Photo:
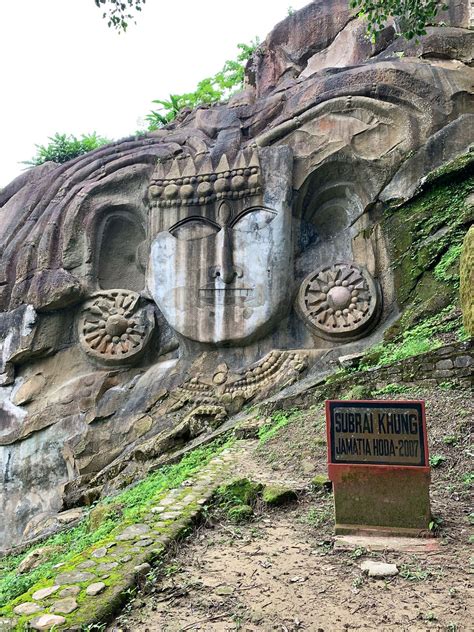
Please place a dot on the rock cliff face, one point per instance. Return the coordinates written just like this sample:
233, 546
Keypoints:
152, 288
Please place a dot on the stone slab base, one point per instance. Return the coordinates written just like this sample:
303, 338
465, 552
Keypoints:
373, 542
376, 531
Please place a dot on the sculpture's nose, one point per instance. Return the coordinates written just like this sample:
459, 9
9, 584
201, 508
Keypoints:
226, 257
225, 268
227, 273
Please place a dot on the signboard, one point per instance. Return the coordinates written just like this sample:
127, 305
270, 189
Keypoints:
377, 433
378, 464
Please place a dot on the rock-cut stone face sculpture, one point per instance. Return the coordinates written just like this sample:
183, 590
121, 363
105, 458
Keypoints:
221, 254
153, 288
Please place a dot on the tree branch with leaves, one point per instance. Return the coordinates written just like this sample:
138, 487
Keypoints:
413, 16
119, 13
213, 89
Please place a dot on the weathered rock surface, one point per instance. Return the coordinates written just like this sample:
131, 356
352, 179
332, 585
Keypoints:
69, 591
43, 593
94, 589
35, 558
46, 621
133, 532
64, 606
74, 577
254, 246
27, 608
379, 569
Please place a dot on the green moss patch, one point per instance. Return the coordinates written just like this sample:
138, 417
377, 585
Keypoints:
275, 495
241, 491
139, 536
425, 239
321, 482
240, 513
423, 337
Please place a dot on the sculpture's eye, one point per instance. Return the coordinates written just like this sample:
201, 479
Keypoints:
253, 220
193, 228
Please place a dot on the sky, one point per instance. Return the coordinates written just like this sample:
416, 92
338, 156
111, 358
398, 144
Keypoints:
63, 70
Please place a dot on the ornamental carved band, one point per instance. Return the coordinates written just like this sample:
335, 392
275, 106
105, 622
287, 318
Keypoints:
340, 301
188, 180
114, 328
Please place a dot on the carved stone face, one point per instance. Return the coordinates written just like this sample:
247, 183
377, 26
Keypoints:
220, 271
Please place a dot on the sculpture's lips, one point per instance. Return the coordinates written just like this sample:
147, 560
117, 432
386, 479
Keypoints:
212, 295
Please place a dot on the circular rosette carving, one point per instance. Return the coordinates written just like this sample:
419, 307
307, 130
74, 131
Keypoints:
340, 301
114, 327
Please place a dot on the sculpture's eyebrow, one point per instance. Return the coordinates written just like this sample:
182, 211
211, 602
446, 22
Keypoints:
252, 209
194, 218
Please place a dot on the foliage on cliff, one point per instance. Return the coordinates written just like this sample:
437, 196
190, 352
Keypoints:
213, 89
413, 17
425, 241
64, 147
230, 79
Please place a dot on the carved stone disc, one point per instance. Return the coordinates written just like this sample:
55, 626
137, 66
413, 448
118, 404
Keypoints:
114, 327
339, 301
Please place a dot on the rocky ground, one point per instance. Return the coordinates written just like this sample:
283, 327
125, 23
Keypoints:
280, 571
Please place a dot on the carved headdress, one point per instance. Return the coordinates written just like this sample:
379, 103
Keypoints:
192, 180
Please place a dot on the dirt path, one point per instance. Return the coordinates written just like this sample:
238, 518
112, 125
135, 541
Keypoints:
280, 571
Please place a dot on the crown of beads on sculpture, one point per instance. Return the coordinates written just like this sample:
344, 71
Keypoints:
191, 180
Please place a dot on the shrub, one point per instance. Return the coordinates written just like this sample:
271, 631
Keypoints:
64, 147
209, 90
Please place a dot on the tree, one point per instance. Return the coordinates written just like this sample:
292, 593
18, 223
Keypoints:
412, 15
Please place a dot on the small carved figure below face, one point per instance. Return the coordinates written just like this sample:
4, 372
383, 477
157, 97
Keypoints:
220, 271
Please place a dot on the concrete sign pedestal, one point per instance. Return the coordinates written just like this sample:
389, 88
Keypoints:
378, 464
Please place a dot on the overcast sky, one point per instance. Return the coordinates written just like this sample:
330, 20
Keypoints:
63, 70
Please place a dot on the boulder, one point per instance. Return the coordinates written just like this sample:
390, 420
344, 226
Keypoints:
275, 495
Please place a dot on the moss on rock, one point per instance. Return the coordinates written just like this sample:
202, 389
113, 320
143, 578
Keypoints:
275, 495
240, 491
321, 482
240, 513
360, 391
425, 233
467, 281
